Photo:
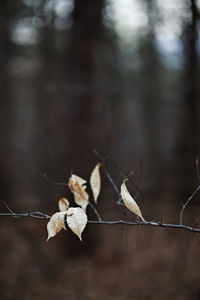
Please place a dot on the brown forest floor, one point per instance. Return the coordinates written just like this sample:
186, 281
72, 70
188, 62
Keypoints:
112, 262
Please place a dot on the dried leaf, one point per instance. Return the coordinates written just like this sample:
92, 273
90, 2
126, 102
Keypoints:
77, 187
63, 204
129, 201
95, 182
78, 179
55, 224
76, 220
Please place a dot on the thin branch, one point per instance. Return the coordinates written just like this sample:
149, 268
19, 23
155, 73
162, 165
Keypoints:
119, 201
8, 208
103, 160
35, 214
40, 215
66, 184
95, 211
129, 176
90, 204
44, 175
176, 226
186, 203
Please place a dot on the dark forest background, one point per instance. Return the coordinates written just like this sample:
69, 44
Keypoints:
121, 76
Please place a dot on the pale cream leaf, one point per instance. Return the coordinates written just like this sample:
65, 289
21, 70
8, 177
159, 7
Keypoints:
95, 182
76, 220
129, 201
78, 179
77, 187
56, 223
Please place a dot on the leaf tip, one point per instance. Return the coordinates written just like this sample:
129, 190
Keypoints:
126, 179
63, 204
48, 238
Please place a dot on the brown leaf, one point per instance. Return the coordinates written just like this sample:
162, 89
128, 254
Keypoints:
63, 204
55, 224
129, 201
76, 220
77, 187
95, 182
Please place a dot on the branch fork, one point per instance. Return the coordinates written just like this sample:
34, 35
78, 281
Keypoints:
124, 198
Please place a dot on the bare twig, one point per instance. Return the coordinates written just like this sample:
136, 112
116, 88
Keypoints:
186, 203
176, 226
40, 215
44, 175
95, 211
103, 160
90, 204
35, 214
129, 176
8, 208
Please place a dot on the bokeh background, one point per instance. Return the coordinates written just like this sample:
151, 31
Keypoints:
121, 76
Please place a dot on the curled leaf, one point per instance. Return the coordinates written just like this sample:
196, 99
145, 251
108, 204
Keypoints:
63, 204
56, 223
76, 220
77, 187
95, 182
77, 179
129, 201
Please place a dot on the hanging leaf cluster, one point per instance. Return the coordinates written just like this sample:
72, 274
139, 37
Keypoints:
75, 217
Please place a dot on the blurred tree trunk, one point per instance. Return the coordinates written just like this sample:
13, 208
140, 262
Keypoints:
191, 79
188, 139
191, 35
86, 33
6, 51
187, 143
4, 38
84, 50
